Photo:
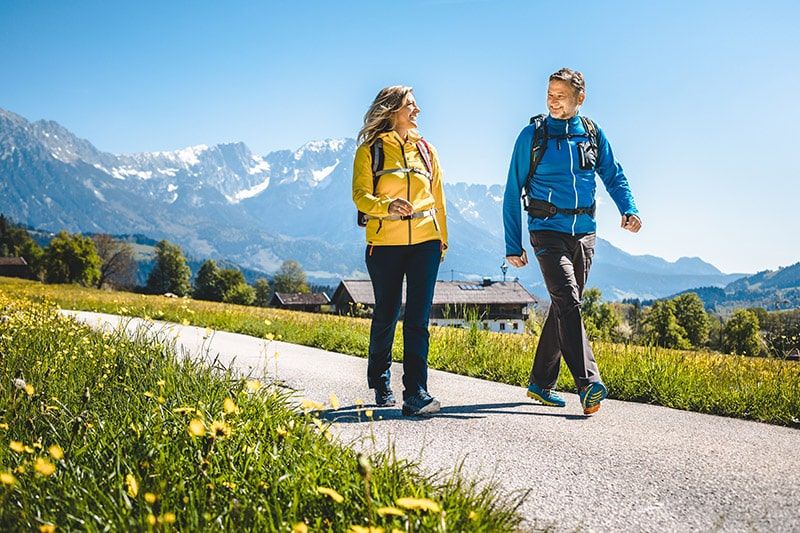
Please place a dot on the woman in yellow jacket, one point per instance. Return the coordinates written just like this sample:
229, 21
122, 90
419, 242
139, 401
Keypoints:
397, 188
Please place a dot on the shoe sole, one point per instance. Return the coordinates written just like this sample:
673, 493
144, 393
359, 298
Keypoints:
543, 401
591, 401
386, 404
433, 407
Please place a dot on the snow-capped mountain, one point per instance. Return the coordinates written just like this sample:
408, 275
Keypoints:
225, 202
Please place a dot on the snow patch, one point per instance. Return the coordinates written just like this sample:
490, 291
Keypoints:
172, 187
333, 145
260, 166
320, 175
123, 172
167, 171
248, 193
99, 195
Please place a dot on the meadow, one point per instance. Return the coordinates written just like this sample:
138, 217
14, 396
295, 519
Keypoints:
762, 389
102, 432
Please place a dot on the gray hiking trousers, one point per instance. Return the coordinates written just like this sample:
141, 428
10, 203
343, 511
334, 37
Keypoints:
565, 261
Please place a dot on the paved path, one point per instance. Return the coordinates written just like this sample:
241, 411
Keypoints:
632, 467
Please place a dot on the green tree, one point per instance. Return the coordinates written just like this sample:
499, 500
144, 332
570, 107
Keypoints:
692, 317
600, 319
170, 272
661, 327
263, 292
208, 283
15, 241
241, 293
290, 278
71, 259
740, 335
117, 264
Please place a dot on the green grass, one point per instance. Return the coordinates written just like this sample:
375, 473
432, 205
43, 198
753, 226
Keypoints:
767, 390
120, 410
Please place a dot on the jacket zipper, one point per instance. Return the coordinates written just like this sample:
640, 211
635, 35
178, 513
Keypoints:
408, 186
574, 179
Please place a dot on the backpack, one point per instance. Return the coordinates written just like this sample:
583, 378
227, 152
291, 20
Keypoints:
378, 160
587, 152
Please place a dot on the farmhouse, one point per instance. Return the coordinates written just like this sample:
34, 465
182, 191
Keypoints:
495, 305
299, 301
15, 267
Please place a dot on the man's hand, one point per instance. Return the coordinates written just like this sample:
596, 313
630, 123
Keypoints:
631, 223
401, 207
518, 261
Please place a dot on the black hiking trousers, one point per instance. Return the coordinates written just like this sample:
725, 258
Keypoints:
565, 261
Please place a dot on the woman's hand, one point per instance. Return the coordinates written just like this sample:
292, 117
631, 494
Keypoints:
401, 207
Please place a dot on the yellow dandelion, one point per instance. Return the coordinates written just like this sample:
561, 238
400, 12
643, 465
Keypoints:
359, 403
28, 449
7, 478
56, 452
418, 504
197, 428
332, 494
472, 515
252, 385
310, 405
300, 527
229, 406
148, 394
29, 389
368, 413
21, 469
390, 511
168, 518
334, 401
47, 528
17, 446
267, 322
161, 383
184, 410
161, 400
151, 519
220, 429
150, 498
3, 425
132, 485
44, 467
282, 433
364, 529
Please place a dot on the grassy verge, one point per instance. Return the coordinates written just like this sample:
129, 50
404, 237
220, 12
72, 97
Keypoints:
101, 432
767, 390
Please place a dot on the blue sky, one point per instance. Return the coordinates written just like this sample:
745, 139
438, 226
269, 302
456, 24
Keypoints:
697, 98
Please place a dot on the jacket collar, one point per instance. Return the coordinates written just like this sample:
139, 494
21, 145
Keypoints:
394, 138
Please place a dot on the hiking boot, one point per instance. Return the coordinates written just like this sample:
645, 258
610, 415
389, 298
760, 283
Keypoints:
545, 396
421, 404
591, 395
384, 397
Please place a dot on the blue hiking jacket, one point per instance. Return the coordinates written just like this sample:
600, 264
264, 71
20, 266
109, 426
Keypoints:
560, 180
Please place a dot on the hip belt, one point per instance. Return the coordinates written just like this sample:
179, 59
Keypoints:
544, 209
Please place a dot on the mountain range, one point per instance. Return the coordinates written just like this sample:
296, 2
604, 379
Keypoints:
225, 202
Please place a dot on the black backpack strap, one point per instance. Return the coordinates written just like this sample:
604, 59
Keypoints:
591, 130
538, 146
378, 160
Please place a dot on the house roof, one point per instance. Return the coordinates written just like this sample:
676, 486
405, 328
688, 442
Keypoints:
300, 298
12, 261
450, 292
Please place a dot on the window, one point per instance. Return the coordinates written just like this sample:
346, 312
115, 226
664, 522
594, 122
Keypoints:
515, 325
502, 326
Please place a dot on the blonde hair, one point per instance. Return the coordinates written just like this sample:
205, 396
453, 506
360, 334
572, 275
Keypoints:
380, 115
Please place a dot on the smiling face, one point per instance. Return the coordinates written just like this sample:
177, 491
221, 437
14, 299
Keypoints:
405, 118
563, 100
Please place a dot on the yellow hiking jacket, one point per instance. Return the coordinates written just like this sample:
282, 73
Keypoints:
423, 193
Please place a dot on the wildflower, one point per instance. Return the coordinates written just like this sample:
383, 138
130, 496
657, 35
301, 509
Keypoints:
161, 383
252, 385
300, 527
332, 494
44, 467
148, 394
419, 504
220, 429
364, 529
267, 322
472, 515
151, 519
7, 478
282, 433
19, 383
161, 400
368, 413
334, 401
269, 336
229, 406
168, 518
393, 511
3, 425
150, 498
311, 405
229, 484
56, 452
184, 410
47, 528
185, 322
132, 485
16, 446
197, 428
29, 389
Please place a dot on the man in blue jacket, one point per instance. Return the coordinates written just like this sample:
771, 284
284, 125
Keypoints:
553, 167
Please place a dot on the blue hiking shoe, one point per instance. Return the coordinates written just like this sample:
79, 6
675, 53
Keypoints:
421, 404
591, 395
545, 396
384, 397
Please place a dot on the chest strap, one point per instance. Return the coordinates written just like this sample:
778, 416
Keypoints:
418, 214
404, 170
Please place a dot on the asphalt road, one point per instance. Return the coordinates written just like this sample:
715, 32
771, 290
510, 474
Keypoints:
631, 467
